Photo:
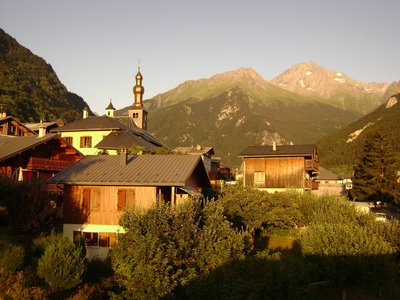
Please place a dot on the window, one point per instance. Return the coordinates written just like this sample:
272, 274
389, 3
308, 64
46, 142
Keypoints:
85, 199
259, 178
136, 115
96, 239
11, 129
86, 141
68, 139
91, 238
95, 200
126, 198
90, 199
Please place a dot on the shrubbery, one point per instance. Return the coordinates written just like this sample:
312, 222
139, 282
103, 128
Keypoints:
163, 251
11, 258
62, 264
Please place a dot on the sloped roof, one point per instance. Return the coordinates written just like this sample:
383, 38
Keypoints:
195, 150
325, 174
13, 145
36, 126
281, 150
108, 123
125, 139
93, 123
160, 170
10, 118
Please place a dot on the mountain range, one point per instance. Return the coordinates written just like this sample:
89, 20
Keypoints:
229, 111
232, 110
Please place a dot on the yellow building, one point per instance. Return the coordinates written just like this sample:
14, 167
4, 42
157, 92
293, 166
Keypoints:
107, 134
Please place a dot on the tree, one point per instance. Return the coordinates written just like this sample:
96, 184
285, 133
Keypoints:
62, 264
375, 173
164, 250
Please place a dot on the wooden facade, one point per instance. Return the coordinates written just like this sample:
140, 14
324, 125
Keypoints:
104, 204
39, 159
10, 126
277, 170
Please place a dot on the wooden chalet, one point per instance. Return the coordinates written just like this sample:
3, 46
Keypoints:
11, 126
280, 167
24, 157
98, 188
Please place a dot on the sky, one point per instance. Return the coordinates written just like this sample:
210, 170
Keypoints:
95, 46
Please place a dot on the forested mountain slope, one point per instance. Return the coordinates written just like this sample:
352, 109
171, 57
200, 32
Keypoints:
30, 89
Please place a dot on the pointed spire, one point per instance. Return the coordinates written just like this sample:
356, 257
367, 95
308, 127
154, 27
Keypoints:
110, 110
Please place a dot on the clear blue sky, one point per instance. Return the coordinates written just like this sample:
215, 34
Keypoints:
94, 46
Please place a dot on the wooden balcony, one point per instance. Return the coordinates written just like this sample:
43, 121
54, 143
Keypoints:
311, 165
37, 163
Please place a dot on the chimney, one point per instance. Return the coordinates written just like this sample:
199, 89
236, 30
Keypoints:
85, 112
273, 146
123, 157
42, 129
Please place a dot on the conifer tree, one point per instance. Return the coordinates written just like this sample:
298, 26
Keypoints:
375, 173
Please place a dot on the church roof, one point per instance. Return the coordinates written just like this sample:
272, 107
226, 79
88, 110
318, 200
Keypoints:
93, 124
110, 106
126, 139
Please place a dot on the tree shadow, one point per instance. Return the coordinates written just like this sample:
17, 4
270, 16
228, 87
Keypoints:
291, 274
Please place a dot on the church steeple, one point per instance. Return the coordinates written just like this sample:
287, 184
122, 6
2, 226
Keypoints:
138, 113
138, 90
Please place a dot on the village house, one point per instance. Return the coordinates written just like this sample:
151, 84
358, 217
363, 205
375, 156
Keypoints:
98, 188
332, 184
11, 126
107, 134
41, 156
280, 167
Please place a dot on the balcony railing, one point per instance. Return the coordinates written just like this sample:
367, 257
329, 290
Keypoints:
37, 163
311, 165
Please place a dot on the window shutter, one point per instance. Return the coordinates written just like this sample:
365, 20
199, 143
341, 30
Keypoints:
121, 200
86, 199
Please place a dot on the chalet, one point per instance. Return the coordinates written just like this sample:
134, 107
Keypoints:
98, 188
331, 183
280, 167
35, 156
11, 126
109, 133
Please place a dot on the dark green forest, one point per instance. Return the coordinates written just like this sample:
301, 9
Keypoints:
30, 89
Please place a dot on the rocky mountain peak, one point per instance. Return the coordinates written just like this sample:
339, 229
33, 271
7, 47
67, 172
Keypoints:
309, 78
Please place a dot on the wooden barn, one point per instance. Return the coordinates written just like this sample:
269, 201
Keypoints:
97, 189
280, 167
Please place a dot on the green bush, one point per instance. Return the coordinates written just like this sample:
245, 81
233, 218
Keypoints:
11, 257
62, 264
163, 250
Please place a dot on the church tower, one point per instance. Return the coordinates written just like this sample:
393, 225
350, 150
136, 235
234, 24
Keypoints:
138, 113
